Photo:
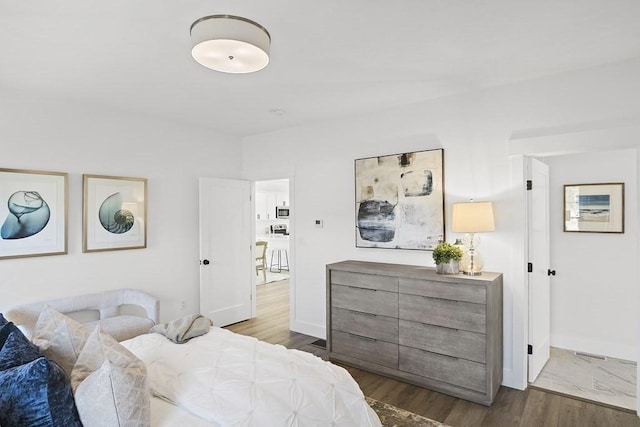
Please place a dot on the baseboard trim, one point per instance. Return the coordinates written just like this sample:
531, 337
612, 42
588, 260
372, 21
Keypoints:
619, 351
318, 331
508, 380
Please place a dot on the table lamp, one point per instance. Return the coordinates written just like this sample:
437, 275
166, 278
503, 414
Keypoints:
471, 218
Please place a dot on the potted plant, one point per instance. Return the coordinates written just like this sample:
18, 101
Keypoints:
447, 257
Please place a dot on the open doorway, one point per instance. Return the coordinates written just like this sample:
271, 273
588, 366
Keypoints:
592, 306
272, 231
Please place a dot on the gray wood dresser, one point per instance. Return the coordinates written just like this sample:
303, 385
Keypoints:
442, 332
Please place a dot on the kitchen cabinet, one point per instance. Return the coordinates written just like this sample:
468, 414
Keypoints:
261, 206
266, 205
282, 199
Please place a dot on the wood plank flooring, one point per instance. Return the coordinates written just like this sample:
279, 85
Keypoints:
529, 408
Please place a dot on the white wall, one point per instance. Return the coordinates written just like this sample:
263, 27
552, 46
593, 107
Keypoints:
41, 134
595, 292
474, 130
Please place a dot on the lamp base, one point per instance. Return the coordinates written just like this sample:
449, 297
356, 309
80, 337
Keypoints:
472, 273
472, 262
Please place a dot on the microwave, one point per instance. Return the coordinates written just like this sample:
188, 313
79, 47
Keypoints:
283, 212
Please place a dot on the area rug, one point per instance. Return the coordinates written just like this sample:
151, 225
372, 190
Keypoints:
391, 416
272, 277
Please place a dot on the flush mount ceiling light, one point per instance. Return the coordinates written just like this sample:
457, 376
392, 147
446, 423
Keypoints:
230, 44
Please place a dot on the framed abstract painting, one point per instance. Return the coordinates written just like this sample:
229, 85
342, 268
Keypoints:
114, 213
33, 213
594, 208
400, 200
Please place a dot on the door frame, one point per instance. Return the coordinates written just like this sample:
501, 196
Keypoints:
568, 142
270, 175
519, 259
520, 164
539, 352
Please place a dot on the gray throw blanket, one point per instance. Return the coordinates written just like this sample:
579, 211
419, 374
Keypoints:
183, 329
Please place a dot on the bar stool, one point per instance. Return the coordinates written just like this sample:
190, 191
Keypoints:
279, 265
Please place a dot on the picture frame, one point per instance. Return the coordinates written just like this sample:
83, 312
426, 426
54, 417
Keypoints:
594, 208
33, 213
399, 200
114, 213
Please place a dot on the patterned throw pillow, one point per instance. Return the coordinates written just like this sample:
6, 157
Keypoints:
59, 337
34, 391
15, 348
110, 384
3, 321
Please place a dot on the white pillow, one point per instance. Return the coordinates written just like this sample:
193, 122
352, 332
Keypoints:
59, 337
110, 384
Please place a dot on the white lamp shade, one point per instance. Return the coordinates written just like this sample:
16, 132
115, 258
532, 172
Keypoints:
230, 44
472, 217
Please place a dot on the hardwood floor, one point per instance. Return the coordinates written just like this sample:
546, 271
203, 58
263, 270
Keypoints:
529, 408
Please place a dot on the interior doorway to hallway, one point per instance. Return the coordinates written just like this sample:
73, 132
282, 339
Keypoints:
272, 227
591, 357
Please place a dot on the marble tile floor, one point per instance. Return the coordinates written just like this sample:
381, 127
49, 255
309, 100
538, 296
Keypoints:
610, 381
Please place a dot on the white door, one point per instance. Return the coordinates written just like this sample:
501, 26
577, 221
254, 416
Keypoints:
225, 250
539, 295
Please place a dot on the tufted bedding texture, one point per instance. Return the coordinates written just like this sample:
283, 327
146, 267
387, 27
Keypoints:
230, 379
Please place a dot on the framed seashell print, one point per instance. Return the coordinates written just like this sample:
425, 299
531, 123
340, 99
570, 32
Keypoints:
33, 213
114, 213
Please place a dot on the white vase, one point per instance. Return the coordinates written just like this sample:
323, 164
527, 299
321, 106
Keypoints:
451, 267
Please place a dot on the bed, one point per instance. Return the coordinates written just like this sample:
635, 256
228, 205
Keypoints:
225, 379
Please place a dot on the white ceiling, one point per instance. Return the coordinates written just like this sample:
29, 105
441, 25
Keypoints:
329, 58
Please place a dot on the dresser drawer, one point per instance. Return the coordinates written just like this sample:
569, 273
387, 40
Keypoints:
367, 349
464, 373
367, 281
438, 339
412, 324
444, 290
365, 300
440, 312
365, 324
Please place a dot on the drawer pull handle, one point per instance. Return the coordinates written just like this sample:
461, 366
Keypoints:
364, 338
450, 357
362, 289
367, 314
440, 326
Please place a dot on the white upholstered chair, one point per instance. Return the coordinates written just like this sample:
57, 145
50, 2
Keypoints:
122, 313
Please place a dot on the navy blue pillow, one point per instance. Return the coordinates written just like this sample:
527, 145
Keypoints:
15, 348
37, 394
34, 391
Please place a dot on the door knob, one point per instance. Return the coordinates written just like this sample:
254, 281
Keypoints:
205, 262
551, 272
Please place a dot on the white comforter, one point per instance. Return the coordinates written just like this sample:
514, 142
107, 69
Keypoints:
235, 380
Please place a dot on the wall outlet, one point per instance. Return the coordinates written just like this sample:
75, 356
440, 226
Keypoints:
183, 305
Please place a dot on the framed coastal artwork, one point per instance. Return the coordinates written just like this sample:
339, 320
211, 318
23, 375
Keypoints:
33, 213
400, 200
114, 213
594, 208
